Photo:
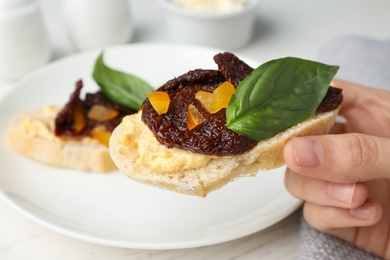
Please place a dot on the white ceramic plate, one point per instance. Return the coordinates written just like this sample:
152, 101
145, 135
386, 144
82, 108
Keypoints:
111, 209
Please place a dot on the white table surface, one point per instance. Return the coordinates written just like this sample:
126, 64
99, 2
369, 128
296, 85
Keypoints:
284, 28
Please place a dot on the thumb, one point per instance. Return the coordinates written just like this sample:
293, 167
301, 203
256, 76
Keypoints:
339, 158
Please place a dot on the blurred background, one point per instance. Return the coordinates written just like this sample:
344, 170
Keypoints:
281, 28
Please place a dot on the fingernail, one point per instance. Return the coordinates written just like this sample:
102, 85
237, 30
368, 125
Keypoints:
342, 192
364, 212
308, 152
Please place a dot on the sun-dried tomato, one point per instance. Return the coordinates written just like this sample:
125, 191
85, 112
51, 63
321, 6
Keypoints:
73, 121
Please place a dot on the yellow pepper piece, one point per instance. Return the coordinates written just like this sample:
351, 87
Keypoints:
160, 101
208, 101
101, 134
194, 117
225, 92
78, 117
213, 102
101, 113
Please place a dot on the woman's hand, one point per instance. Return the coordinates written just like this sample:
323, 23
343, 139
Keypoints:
344, 177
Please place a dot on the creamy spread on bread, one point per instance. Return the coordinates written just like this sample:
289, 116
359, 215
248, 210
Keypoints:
42, 125
155, 155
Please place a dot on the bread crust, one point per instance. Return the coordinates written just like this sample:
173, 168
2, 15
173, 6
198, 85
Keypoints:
266, 155
87, 155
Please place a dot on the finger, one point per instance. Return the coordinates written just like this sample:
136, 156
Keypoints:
344, 195
352, 93
364, 102
349, 96
346, 158
329, 219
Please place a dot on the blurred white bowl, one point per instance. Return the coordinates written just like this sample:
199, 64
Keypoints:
225, 30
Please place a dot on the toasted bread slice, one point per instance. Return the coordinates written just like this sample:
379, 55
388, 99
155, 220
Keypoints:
218, 171
32, 134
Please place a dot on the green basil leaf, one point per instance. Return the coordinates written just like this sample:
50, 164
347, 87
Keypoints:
122, 88
278, 95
